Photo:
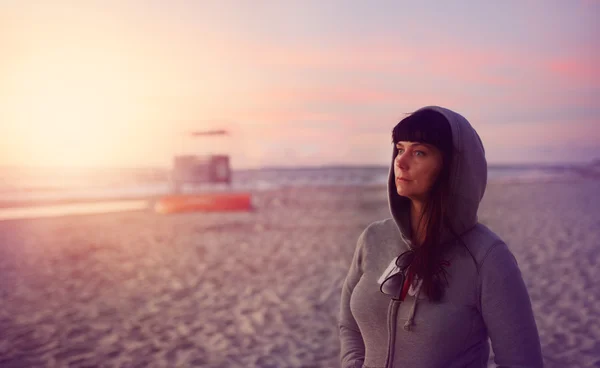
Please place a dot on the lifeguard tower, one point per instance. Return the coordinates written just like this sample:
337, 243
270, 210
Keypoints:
209, 169
203, 182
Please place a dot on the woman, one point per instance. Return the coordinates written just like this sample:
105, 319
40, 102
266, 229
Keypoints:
428, 286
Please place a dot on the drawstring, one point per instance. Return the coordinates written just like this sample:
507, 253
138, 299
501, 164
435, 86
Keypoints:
411, 314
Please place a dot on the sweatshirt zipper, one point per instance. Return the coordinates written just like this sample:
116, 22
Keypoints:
392, 317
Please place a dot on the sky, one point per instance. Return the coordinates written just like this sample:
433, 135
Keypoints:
121, 83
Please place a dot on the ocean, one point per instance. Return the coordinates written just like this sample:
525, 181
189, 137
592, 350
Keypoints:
27, 188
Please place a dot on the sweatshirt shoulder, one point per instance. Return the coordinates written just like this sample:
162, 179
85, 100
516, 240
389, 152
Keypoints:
482, 242
384, 226
382, 229
378, 232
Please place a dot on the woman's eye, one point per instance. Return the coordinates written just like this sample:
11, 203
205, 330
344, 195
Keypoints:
419, 153
400, 150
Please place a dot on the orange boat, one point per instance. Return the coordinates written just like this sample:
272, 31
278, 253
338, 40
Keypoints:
209, 202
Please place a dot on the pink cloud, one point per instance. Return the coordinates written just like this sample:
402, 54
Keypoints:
463, 64
561, 133
580, 69
341, 94
455, 61
495, 79
330, 103
345, 57
449, 60
277, 115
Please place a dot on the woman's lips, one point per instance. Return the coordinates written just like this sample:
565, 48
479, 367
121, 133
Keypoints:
402, 179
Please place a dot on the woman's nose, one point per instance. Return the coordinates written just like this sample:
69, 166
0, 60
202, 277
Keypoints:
402, 161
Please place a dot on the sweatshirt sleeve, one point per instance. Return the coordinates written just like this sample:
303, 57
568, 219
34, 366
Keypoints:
507, 312
352, 346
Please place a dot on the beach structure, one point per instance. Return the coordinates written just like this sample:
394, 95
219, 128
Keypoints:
209, 168
210, 177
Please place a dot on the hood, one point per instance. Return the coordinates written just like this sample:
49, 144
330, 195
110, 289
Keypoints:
468, 178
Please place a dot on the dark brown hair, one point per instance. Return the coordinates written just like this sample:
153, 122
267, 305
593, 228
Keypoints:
431, 127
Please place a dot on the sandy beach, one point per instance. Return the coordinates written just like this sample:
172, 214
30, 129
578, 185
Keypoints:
262, 288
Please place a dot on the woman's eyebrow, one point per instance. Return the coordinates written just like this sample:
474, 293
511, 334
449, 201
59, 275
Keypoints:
413, 144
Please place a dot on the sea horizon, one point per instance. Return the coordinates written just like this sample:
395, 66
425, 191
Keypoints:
31, 187
491, 165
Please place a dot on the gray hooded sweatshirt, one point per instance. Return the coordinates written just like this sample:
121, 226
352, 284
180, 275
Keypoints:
485, 299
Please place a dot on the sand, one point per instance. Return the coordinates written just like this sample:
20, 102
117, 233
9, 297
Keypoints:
261, 289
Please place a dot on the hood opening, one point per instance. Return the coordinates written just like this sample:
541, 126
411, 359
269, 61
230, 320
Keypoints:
468, 172
465, 183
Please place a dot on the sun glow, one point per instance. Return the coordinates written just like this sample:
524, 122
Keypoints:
66, 113
74, 92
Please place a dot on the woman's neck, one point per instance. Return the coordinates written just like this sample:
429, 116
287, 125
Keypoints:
418, 223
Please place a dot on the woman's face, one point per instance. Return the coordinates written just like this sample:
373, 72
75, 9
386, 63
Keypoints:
416, 167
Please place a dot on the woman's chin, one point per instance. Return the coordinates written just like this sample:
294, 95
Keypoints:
410, 194
402, 193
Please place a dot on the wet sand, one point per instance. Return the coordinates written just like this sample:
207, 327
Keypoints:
261, 289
